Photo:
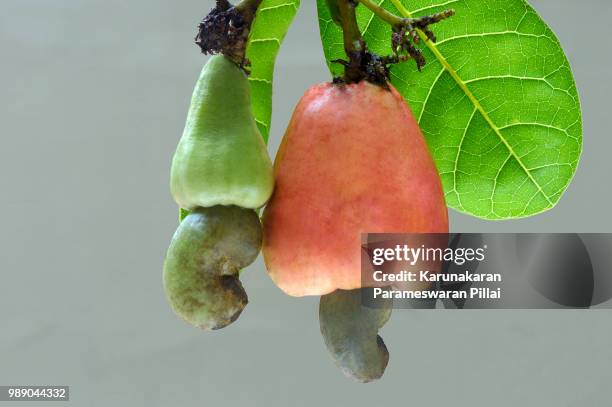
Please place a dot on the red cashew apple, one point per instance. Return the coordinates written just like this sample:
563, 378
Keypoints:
353, 160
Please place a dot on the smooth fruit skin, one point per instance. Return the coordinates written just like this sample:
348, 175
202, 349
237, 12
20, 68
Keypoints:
352, 161
221, 158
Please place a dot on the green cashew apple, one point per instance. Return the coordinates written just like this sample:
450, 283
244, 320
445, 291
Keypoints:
350, 332
202, 266
221, 158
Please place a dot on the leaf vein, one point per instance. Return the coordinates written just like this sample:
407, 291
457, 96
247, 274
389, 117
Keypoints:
278, 6
448, 3
467, 126
490, 34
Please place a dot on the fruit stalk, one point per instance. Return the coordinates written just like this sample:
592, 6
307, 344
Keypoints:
225, 30
354, 45
248, 9
363, 64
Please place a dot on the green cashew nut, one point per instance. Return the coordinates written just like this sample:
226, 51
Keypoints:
350, 332
201, 270
221, 158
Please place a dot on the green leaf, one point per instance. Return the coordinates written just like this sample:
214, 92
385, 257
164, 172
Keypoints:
496, 101
267, 33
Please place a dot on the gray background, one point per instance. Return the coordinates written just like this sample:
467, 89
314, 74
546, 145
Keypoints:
93, 95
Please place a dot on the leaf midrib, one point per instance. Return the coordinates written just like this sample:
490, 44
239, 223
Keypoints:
434, 49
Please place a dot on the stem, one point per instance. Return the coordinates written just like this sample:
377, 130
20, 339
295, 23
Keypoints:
382, 13
395, 21
363, 64
354, 45
353, 42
